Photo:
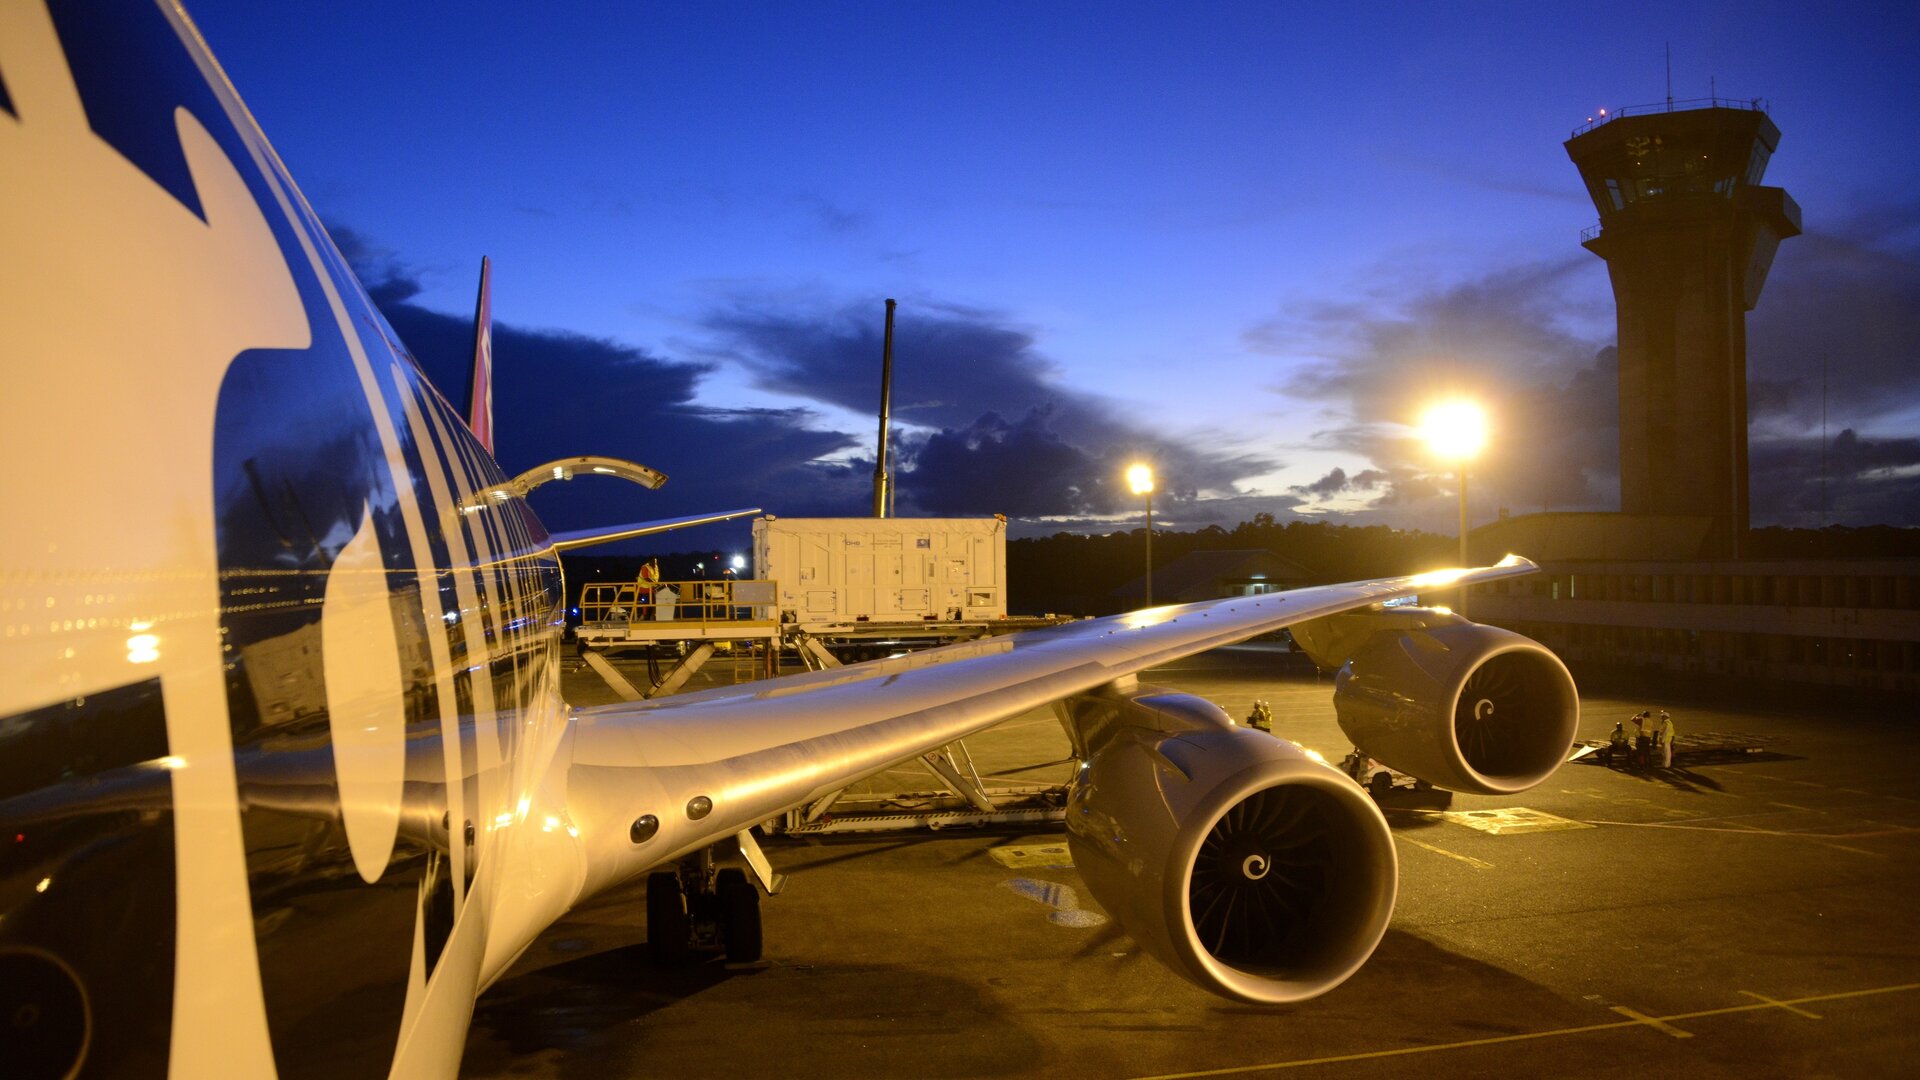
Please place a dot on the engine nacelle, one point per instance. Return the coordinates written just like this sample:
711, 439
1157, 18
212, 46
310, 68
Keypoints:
1463, 706
1237, 860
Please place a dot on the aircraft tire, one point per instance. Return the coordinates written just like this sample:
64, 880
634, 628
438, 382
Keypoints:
669, 929
739, 915
1380, 784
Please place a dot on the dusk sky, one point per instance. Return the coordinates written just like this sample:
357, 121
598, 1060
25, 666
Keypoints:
1242, 241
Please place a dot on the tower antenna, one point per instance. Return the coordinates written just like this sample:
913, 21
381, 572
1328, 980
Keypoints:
1669, 76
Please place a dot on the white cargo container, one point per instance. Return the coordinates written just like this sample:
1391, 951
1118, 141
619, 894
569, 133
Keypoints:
830, 570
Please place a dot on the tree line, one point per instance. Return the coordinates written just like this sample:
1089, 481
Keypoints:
1077, 574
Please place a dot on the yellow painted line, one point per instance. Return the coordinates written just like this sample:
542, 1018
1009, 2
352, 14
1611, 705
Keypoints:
1790, 806
1657, 1025
1368, 1055
1755, 830
1477, 864
1781, 1004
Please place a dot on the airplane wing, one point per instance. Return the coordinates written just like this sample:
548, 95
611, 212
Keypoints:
688, 771
579, 538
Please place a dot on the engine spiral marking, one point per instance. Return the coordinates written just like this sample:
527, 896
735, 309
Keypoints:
1255, 867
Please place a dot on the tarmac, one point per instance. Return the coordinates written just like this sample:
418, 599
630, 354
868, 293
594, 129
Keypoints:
1750, 916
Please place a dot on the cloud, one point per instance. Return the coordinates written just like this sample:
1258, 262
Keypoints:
989, 428
1847, 296
559, 394
984, 426
1857, 481
1502, 339
1846, 302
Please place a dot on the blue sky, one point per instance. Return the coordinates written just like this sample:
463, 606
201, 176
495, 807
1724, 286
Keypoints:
1244, 240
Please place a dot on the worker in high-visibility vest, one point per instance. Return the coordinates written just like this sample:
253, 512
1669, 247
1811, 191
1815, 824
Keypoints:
1663, 739
1642, 739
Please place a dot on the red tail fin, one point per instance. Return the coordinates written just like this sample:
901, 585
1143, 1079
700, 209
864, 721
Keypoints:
480, 385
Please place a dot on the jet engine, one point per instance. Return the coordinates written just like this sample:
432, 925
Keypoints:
1242, 863
1461, 705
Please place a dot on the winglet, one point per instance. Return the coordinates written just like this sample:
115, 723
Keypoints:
480, 382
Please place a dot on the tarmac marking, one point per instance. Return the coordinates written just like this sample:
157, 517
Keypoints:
1495, 1040
1032, 856
1781, 1004
1743, 829
1061, 898
1477, 864
1657, 1025
1790, 806
1512, 820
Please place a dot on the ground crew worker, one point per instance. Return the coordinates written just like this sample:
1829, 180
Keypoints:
1617, 742
1643, 741
1663, 738
649, 580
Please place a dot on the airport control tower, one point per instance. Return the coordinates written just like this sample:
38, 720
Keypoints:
1688, 234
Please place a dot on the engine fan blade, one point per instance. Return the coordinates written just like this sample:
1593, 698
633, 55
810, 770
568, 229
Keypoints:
1259, 872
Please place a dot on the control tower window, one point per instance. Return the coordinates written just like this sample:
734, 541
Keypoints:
1613, 194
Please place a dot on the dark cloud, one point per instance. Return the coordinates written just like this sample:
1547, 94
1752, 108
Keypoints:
1395, 487
1841, 308
1856, 481
1334, 483
996, 432
985, 430
387, 279
1846, 299
1502, 340
1022, 467
559, 394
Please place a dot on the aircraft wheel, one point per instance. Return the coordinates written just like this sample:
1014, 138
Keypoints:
1380, 784
739, 915
669, 930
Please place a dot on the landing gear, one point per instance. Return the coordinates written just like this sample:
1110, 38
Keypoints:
669, 927
739, 912
699, 909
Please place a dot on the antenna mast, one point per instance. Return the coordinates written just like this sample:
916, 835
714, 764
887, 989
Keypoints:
881, 481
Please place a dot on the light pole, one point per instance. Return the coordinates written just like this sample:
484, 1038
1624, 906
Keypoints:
1140, 478
1456, 431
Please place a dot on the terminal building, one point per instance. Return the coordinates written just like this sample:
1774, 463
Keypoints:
1670, 585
